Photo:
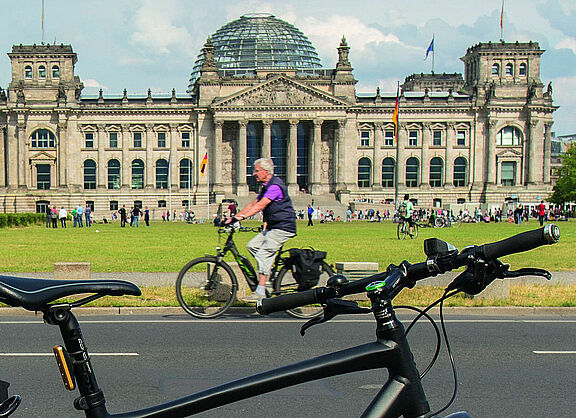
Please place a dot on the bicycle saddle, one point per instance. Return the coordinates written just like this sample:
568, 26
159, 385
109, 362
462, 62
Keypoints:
36, 294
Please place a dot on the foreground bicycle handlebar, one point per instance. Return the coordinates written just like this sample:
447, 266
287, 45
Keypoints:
442, 257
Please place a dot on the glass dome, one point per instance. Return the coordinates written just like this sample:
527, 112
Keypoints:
258, 41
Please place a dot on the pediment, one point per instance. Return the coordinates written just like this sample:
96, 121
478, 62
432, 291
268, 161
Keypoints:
277, 92
42, 156
510, 153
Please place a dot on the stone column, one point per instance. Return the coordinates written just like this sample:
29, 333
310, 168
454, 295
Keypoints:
266, 138
340, 165
149, 181
316, 160
425, 155
216, 158
22, 155
532, 154
292, 157
126, 177
491, 152
377, 157
173, 159
401, 156
63, 143
12, 161
3, 147
101, 167
547, 151
449, 159
241, 185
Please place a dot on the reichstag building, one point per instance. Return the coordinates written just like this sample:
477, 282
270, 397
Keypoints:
258, 89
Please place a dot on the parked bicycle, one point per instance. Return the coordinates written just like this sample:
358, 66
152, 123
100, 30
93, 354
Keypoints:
448, 221
403, 229
207, 286
402, 393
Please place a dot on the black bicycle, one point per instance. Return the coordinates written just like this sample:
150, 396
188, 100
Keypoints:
402, 393
207, 286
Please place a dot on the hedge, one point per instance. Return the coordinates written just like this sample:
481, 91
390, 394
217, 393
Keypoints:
20, 219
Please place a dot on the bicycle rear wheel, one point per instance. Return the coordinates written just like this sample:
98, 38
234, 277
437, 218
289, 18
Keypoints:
402, 230
286, 283
206, 287
415, 234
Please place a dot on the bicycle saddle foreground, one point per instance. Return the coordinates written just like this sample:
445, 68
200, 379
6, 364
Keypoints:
36, 294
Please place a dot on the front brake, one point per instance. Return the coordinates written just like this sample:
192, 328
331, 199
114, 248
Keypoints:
332, 308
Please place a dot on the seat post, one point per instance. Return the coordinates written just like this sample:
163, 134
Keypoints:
91, 399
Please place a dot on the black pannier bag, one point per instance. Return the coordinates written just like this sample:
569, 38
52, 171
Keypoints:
306, 266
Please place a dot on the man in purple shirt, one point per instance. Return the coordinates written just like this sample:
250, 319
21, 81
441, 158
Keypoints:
279, 222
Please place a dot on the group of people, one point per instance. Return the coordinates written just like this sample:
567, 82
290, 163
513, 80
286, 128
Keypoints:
78, 214
134, 214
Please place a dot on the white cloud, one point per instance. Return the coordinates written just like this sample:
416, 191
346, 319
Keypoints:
157, 30
567, 43
92, 83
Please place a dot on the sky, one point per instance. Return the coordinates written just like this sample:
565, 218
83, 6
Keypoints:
152, 44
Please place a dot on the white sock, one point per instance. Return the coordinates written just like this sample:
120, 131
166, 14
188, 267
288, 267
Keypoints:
261, 290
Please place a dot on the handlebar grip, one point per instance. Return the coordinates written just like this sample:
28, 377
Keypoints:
525, 241
285, 302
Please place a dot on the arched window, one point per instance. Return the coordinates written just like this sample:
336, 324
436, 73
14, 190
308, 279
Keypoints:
161, 174
185, 173
42, 138
114, 174
364, 171
55, 71
28, 71
412, 172
509, 69
42, 71
496, 69
388, 172
436, 168
89, 174
459, 177
137, 174
522, 69
509, 135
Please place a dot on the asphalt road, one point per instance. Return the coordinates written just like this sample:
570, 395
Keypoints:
508, 366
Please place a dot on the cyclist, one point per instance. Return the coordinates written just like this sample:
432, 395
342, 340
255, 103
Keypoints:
406, 210
279, 222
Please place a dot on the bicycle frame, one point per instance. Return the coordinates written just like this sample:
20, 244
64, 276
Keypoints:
402, 393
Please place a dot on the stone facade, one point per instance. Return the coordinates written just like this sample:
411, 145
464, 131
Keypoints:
474, 139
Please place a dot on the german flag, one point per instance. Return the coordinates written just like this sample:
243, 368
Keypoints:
203, 164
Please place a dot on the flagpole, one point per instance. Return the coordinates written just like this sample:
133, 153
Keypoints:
208, 191
433, 49
397, 111
502, 23
42, 22
169, 184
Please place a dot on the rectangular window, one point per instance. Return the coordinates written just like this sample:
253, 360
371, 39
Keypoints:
461, 138
389, 138
161, 139
185, 203
437, 138
137, 139
185, 139
113, 139
413, 139
89, 140
508, 173
113, 205
365, 138
43, 176
161, 203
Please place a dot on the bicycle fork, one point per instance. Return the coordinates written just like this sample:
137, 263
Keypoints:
74, 362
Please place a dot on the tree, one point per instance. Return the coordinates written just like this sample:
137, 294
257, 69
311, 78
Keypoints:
565, 188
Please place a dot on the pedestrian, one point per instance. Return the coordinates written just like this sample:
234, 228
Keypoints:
164, 216
135, 216
54, 217
146, 216
63, 214
405, 212
279, 221
74, 217
541, 212
518, 214
79, 213
122, 212
48, 216
88, 216
310, 213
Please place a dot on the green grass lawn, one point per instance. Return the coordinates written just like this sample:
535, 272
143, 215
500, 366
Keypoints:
166, 247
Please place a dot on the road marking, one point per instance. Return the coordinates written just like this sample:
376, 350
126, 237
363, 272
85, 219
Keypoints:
52, 355
553, 352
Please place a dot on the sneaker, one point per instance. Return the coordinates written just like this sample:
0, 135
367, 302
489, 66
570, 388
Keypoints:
252, 297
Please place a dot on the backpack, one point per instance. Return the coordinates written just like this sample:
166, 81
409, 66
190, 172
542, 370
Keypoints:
403, 210
306, 266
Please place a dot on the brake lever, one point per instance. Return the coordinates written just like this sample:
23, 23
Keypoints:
528, 272
332, 308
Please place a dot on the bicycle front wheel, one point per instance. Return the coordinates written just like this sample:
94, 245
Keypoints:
286, 283
415, 234
206, 287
